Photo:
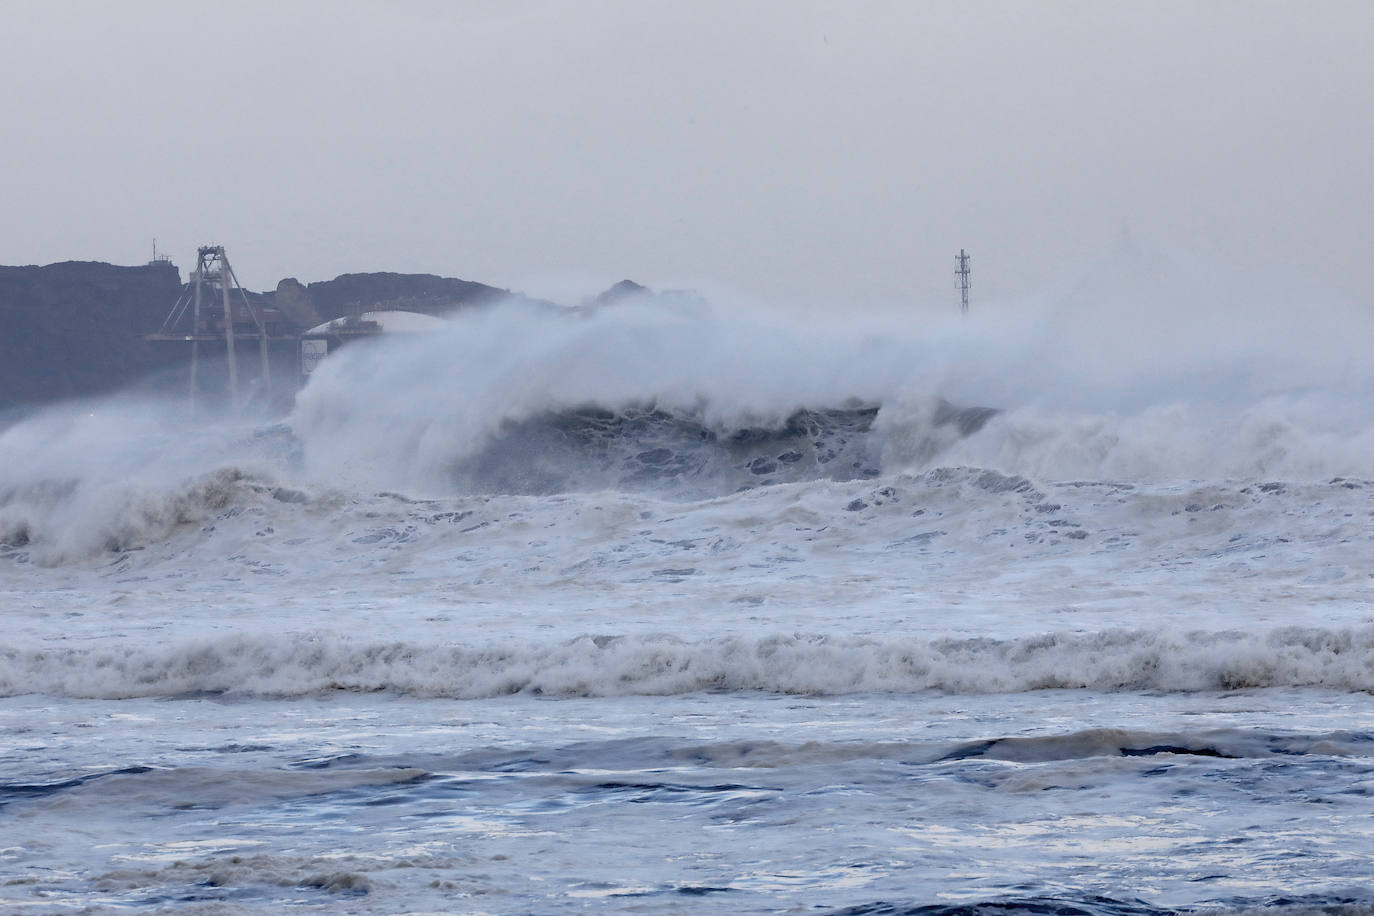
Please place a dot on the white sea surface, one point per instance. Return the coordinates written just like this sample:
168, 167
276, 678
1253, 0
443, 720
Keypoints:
540, 614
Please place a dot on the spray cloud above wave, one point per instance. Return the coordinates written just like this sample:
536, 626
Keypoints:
1134, 372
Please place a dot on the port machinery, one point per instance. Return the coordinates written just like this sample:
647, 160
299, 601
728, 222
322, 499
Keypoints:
239, 319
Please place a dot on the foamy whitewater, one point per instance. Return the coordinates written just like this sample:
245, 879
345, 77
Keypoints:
1062, 608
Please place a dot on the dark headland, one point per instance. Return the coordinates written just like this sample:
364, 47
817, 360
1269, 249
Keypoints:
78, 328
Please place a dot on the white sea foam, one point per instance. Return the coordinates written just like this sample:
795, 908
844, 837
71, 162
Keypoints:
1336, 659
1095, 623
1307, 437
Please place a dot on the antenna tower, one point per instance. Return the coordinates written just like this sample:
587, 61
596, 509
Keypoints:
962, 273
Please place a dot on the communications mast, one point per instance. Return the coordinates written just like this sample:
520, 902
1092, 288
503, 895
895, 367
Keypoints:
962, 273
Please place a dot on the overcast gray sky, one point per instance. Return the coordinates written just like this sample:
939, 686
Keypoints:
818, 153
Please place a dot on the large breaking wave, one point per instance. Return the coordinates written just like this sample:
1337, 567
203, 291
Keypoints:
688, 402
703, 401
673, 454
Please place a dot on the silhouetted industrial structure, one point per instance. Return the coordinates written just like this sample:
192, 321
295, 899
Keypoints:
962, 273
237, 319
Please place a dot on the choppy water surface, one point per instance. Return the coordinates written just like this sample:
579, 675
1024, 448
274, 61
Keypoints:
722, 802
677, 634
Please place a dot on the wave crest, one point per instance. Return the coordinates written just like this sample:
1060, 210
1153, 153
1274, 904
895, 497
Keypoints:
68, 520
609, 665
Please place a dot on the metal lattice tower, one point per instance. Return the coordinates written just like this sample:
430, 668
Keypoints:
214, 273
962, 273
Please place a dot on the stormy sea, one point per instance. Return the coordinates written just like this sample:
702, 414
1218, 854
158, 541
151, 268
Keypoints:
677, 608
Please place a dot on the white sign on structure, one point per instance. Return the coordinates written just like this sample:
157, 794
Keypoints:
312, 351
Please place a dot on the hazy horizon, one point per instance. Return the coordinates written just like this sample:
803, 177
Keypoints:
803, 154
